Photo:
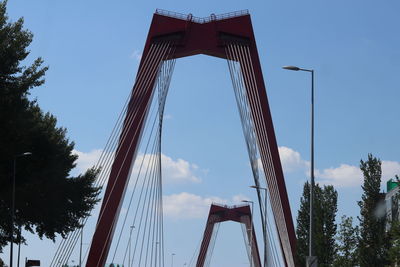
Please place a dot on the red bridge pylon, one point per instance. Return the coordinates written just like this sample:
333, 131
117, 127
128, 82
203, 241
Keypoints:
218, 214
172, 35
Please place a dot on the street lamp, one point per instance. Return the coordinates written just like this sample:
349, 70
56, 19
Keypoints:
265, 222
172, 259
251, 230
310, 252
13, 203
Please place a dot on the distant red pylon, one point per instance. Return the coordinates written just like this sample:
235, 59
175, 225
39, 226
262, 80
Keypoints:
240, 214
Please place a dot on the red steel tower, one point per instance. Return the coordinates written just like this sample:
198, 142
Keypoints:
171, 36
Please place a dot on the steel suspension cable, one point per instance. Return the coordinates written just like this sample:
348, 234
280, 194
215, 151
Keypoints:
233, 55
196, 252
153, 212
269, 162
212, 244
121, 139
277, 208
247, 125
137, 178
245, 71
280, 211
65, 246
143, 115
124, 158
245, 239
74, 242
203, 254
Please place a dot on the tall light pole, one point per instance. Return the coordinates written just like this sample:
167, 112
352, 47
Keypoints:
172, 259
13, 204
310, 248
265, 222
251, 230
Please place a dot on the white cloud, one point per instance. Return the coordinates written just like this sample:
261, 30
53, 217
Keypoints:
239, 198
343, 176
86, 160
190, 206
349, 175
174, 171
137, 55
179, 170
291, 160
390, 169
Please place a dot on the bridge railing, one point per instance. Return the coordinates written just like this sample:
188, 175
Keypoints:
200, 20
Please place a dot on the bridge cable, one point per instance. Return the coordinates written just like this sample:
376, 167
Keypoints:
64, 246
136, 132
277, 203
156, 194
76, 233
240, 75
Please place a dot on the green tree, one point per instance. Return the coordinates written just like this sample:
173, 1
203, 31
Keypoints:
373, 243
394, 241
347, 244
48, 201
303, 224
324, 230
328, 206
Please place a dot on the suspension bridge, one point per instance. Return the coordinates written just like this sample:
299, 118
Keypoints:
139, 128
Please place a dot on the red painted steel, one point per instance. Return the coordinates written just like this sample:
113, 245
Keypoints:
189, 38
217, 214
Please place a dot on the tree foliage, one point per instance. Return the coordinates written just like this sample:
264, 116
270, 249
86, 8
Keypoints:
324, 230
347, 244
394, 241
328, 206
303, 224
373, 243
48, 201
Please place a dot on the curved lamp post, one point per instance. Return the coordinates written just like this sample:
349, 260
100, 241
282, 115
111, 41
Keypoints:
310, 248
172, 259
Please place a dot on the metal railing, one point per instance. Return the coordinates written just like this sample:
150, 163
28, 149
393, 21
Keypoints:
212, 17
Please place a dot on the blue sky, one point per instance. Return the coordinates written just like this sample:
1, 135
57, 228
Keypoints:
93, 47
